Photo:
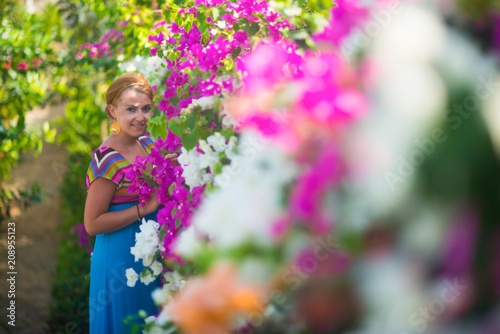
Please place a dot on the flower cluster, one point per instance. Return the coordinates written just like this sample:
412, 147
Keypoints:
24, 65
147, 243
255, 177
103, 48
208, 57
147, 249
177, 201
194, 310
163, 171
290, 109
149, 67
292, 98
200, 164
197, 67
83, 236
345, 16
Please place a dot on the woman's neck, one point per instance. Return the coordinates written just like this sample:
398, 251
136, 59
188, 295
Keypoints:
125, 140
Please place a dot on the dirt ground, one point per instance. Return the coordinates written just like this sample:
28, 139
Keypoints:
36, 240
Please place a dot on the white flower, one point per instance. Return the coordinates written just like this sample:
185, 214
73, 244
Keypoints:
147, 242
157, 268
292, 11
150, 67
217, 141
205, 102
207, 178
208, 160
175, 281
249, 198
151, 319
229, 150
149, 229
192, 172
147, 277
195, 164
221, 24
158, 322
131, 277
161, 295
187, 244
228, 120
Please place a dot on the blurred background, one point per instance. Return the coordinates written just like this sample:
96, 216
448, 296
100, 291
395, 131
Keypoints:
417, 219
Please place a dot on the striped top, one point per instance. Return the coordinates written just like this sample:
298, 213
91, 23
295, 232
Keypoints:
111, 165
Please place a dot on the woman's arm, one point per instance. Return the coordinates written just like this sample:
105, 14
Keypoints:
96, 218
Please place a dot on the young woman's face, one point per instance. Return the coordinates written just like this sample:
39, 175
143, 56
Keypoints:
132, 112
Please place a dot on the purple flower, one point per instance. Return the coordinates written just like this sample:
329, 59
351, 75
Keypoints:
229, 18
345, 16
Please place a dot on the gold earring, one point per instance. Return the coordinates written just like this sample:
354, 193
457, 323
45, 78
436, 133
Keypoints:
115, 127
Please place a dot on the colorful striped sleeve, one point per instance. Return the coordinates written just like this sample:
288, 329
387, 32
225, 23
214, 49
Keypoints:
147, 143
106, 163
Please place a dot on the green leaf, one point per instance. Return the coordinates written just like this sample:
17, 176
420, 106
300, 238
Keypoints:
210, 114
215, 13
190, 140
193, 117
188, 25
171, 189
254, 28
176, 126
158, 127
204, 132
217, 169
202, 17
206, 36
166, 14
163, 233
236, 52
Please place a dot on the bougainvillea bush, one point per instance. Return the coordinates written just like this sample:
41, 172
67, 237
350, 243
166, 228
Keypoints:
301, 201
257, 121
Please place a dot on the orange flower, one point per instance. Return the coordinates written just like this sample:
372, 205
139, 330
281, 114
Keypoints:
211, 303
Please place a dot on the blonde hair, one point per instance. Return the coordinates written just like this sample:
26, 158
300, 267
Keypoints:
133, 81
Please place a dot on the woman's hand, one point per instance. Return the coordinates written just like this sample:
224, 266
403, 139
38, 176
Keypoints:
150, 206
173, 158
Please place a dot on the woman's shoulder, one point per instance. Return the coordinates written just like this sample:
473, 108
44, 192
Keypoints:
147, 142
106, 163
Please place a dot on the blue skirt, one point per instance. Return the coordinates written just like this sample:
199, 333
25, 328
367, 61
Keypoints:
110, 299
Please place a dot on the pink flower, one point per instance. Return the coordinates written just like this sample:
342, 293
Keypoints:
263, 67
37, 61
93, 52
229, 17
280, 226
307, 194
158, 39
460, 244
330, 261
158, 24
23, 66
83, 237
346, 15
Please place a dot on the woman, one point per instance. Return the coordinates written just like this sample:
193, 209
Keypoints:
113, 215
